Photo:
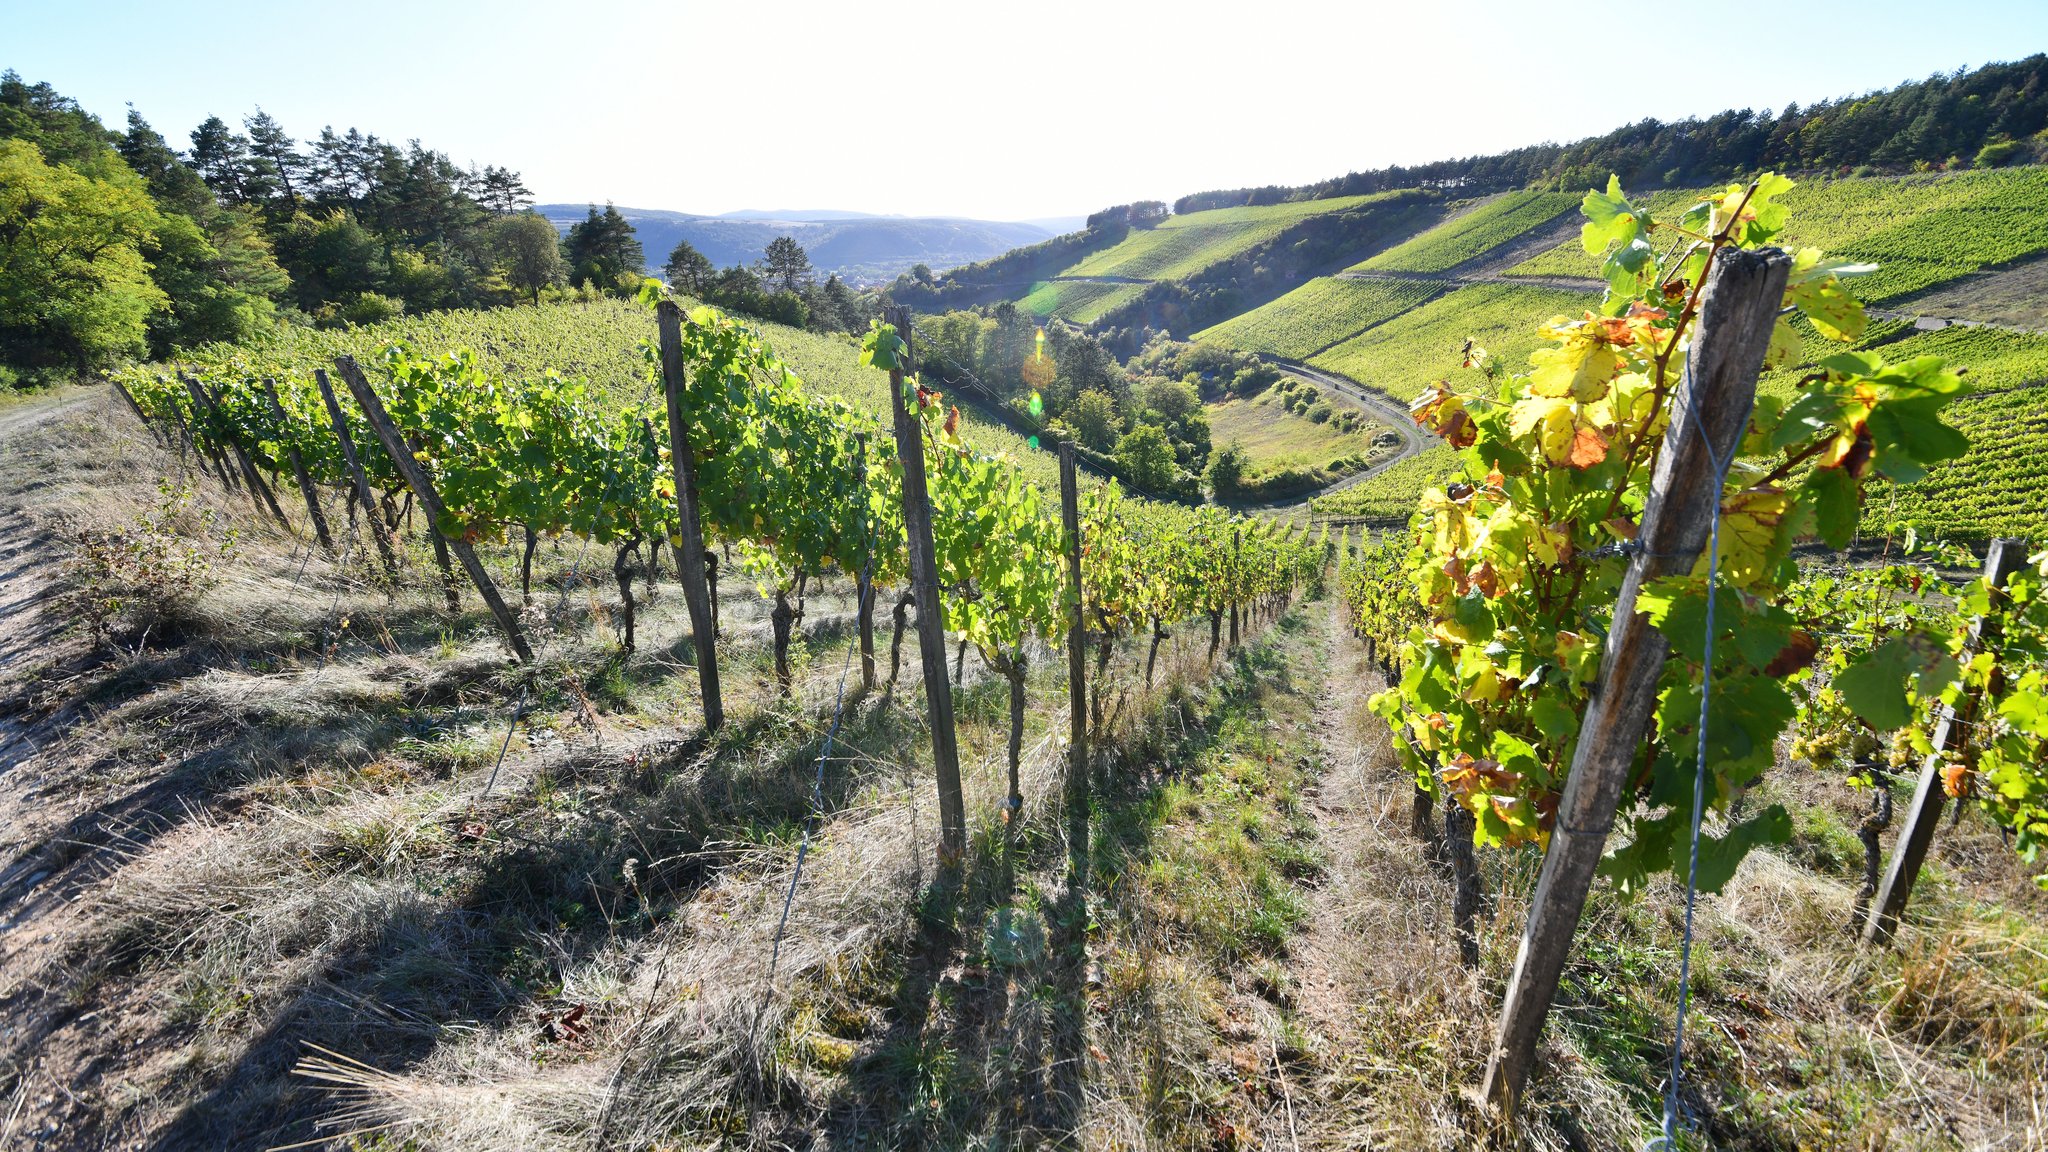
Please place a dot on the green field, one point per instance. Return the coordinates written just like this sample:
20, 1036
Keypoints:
1406, 353
1473, 234
1920, 230
1318, 314
1184, 245
1277, 438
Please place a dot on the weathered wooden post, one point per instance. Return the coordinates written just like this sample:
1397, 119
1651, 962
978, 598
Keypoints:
689, 528
1923, 815
1737, 310
430, 503
379, 531
299, 469
200, 409
128, 398
1077, 672
864, 580
931, 620
259, 492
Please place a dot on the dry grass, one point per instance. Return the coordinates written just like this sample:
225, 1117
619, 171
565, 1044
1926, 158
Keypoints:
258, 895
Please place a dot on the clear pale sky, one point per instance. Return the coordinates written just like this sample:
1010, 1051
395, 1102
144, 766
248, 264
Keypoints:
1017, 110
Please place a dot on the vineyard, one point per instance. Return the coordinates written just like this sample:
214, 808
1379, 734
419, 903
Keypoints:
1319, 314
1472, 234
1183, 245
1920, 231
552, 721
1406, 354
1081, 301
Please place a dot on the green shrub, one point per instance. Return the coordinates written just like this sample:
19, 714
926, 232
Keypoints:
1996, 153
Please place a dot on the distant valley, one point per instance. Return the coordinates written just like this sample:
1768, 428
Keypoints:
859, 248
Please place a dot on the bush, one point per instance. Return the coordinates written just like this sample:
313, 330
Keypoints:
1227, 467
1996, 153
370, 308
1319, 412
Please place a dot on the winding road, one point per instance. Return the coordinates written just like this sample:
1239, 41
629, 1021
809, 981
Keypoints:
1386, 410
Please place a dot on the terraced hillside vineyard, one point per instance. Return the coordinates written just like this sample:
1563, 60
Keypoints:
1921, 231
1473, 233
1321, 313
1405, 354
1183, 245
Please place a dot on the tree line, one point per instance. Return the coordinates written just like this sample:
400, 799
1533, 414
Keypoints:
117, 244
1994, 115
782, 286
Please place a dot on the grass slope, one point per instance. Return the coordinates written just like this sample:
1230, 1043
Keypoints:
1473, 234
1320, 313
1279, 439
1922, 231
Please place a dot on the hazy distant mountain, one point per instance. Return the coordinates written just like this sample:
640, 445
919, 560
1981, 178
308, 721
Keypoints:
859, 247
804, 214
1058, 225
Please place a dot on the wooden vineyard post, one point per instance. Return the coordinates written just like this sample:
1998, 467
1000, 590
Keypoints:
864, 581
199, 410
451, 590
1717, 390
1077, 672
299, 470
430, 502
379, 531
259, 492
128, 398
1924, 814
931, 620
690, 552
190, 445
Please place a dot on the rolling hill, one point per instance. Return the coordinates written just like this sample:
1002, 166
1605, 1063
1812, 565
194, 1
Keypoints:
858, 248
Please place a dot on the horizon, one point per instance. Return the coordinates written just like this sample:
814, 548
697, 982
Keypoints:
509, 102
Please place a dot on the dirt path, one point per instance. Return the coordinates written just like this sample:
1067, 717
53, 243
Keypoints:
1374, 967
24, 581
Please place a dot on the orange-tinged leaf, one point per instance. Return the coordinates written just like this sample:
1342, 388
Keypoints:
1589, 447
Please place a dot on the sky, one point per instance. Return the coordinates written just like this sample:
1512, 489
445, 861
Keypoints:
995, 111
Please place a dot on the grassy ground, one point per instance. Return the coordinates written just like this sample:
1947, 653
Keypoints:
259, 892
1277, 438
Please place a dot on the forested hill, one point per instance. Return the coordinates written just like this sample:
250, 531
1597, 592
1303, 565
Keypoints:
856, 248
1990, 115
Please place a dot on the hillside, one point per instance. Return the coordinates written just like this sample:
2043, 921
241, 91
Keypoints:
1193, 269
858, 248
